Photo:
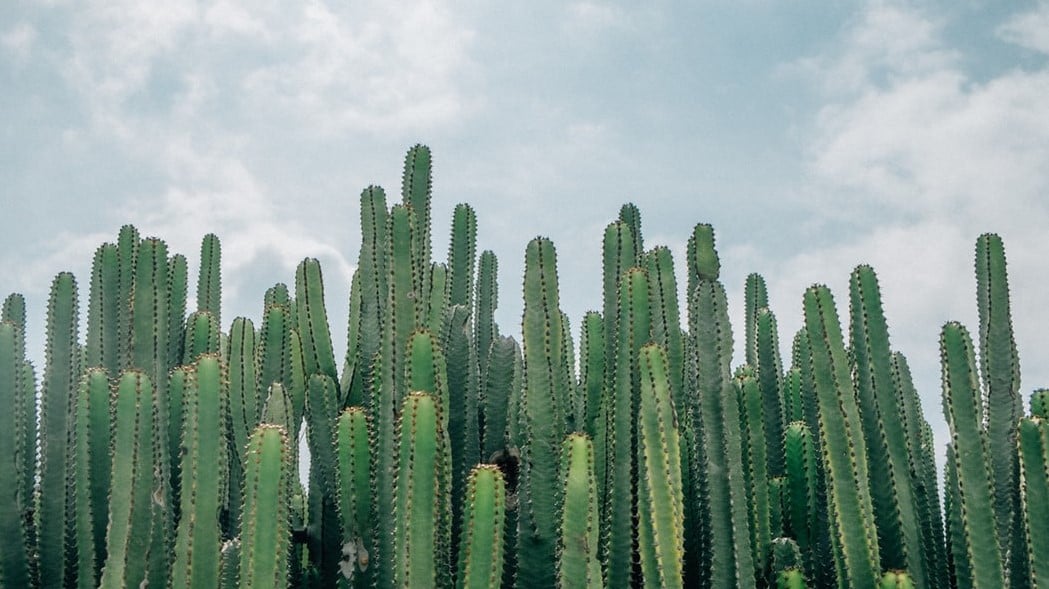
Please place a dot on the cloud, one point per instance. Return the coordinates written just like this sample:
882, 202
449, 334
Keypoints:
1029, 29
907, 162
19, 41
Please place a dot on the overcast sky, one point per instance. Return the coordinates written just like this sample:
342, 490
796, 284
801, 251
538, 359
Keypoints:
814, 135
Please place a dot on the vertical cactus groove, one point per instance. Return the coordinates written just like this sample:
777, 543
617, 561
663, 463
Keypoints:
577, 564
265, 533
177, 292
543, 413
420, 551
1000, 375
892, 494
61, 374
202, 336
204, 480
844, 451
354, 494
755, 298
498, 382
371, 268
324, 529
416, 192
103, 310
14, 539
769, 370
592, 371
660, 511
755, 462
127, 254
481, 550
463, 403
487, 300
801, 488
974, 490
209, 281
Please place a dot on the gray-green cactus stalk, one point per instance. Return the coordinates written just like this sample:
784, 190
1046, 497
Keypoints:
592, 372
209, 280
660, 512
755, 298
722, 490
769, 370
881, 410
324, 529
15, 548
1033, 445
578, 566
486, 301
202, 336
103, 311
89, 457
265, 532
853, 533
502, 375
481, 550
313, 320
544, 406
463, 393
178, 279
974, 536
802, 474
420, 555
416, 192
755, 462
61, 374
204, 480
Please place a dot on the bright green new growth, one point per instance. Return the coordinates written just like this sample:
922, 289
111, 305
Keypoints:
897, 580
660, 501
265, 533
481, 550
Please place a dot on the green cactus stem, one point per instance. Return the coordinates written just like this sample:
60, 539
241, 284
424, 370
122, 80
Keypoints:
897, 580
755, 298
14, 539
756, 462
354, 494
416, 192
973, 492
1034, 494
577, 565
481, 550
313, 320
205, 477
178, 278
660, 510
420, 544
209, 281
498, 382
61, 373
462, 252
103, 310
202, 336
265, 533
853, 533
487, 300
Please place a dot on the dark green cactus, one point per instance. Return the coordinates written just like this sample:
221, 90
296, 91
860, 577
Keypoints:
660, 511
975, 525
209, 280
755, 462
892, 492
790, 579
351, 383
481, 550
462, 253
592, 372
577, 562
1033, 441
205, 477
313, 320
103, 311
89, 484
544, 406
499, 380
202, 336
420, 541
15, 549
229, 575
487, 300
631, 216
463, 402
416, 192
802, 474
265, 532
177, 293
61, 374
755, 298
853, 533
324, 530
769, 369
127, 255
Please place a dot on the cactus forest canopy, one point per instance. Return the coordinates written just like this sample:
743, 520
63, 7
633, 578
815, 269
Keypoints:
159, 448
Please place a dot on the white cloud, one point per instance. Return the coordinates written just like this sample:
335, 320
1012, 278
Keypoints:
919, 159
1029, 29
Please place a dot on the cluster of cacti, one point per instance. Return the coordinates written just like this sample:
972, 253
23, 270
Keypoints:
162, 451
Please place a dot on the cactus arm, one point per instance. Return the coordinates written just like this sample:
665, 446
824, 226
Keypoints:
974, 483
630, 215
204, 468
103, 309
351, 385
592, 371
487, 300
577, 564
59, 387
127, 255
202, 336
354, 493
892, 494
462, 401
273, 349
462, 252
755, 298
844, 450
481, 551
265, 533
324, 530
416, 192
371, 266
434, 305
177, 293
756, 462
209, 281
769, 368
1033, 445
498, 382
660, 498
313, 320
14, 540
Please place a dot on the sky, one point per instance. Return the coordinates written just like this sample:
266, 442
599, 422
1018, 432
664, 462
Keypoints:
813, 135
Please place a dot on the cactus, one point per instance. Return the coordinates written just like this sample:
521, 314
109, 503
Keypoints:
499, 380
324, 529
844, 449
481, 550
416, 191
59, 388
755, 461
202, 336
897, 580
177, 281
769, 369
244, 404
801, 488
1033, 444
755, 298
592, 373
353, 473
265, 533
543, 417
462, 252
577, 562
974, 539
486, 301
205, 477
463, 403
103, 310
14, 539
661, 534
313, 320
892, 494
420, 541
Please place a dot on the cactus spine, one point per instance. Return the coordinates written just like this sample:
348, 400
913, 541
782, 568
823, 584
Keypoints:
265, 533
481, 551
577, 564
354, 494
14, 539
